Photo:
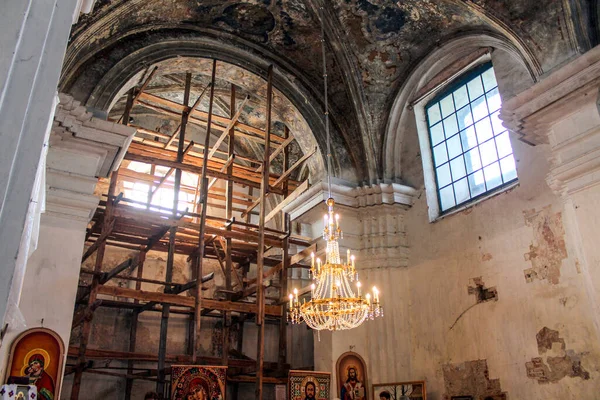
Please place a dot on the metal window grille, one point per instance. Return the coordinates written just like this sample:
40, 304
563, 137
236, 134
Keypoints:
472, 153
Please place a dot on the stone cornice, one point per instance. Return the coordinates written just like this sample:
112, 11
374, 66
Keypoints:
72, 121
563, 111
383, 194
81, 149
532, 113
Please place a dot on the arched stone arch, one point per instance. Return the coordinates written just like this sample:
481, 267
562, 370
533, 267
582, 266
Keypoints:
399, 125
101, 90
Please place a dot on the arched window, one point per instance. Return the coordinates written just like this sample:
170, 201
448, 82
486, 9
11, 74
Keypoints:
471, 152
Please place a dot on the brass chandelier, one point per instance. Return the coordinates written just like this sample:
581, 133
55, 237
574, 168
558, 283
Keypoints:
334, 304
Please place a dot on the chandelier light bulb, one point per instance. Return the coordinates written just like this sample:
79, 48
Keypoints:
291, 296
333, 304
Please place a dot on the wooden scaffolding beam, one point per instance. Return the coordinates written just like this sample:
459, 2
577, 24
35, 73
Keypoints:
201, 238
87, 324
148, 225
260, 294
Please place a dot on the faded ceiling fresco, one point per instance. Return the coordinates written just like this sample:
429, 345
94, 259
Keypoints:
373, 45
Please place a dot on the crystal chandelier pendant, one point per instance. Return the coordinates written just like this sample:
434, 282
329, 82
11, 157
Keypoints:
334, 304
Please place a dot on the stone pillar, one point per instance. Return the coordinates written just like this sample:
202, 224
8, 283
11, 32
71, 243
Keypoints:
372, 220
81, 149
33, 40
562, 111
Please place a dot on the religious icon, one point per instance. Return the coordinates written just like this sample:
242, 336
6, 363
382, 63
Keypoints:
18, 392
37, 354
400, 391
352, 377
37, 376
308, 385
192, 382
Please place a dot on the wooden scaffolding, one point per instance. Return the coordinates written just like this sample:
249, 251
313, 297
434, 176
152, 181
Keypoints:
234, 240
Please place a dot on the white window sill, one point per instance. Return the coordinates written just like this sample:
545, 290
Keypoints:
477, 201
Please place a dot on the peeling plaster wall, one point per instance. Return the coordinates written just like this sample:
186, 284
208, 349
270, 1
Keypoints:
434, 324
501, 239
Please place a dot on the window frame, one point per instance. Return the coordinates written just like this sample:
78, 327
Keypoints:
431, 189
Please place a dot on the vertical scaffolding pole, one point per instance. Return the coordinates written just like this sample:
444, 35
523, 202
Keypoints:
204, 201
283, 274
134, 323
260, 293
229, 216
128, 107
166, 308
87, 323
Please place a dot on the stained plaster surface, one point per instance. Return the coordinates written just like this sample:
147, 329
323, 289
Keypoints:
414, 341
372, 46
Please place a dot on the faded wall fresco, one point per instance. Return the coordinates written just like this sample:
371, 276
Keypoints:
548, 248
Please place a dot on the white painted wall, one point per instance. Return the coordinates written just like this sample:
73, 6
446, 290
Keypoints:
80, 148
33, 40
51, 278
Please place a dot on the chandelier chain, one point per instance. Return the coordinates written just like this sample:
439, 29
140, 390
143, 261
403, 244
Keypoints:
333, 304
325, 81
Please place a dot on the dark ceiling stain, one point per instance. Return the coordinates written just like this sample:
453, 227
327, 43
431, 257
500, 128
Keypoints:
250, 19
382, 40
390, 20
366, 6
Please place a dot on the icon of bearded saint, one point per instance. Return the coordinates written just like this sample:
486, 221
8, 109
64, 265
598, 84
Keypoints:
39, 377
353, 388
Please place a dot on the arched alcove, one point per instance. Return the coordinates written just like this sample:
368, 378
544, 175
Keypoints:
400, 150
100, 79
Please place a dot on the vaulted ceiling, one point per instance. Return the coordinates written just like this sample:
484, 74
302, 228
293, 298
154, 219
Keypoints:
372, 46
